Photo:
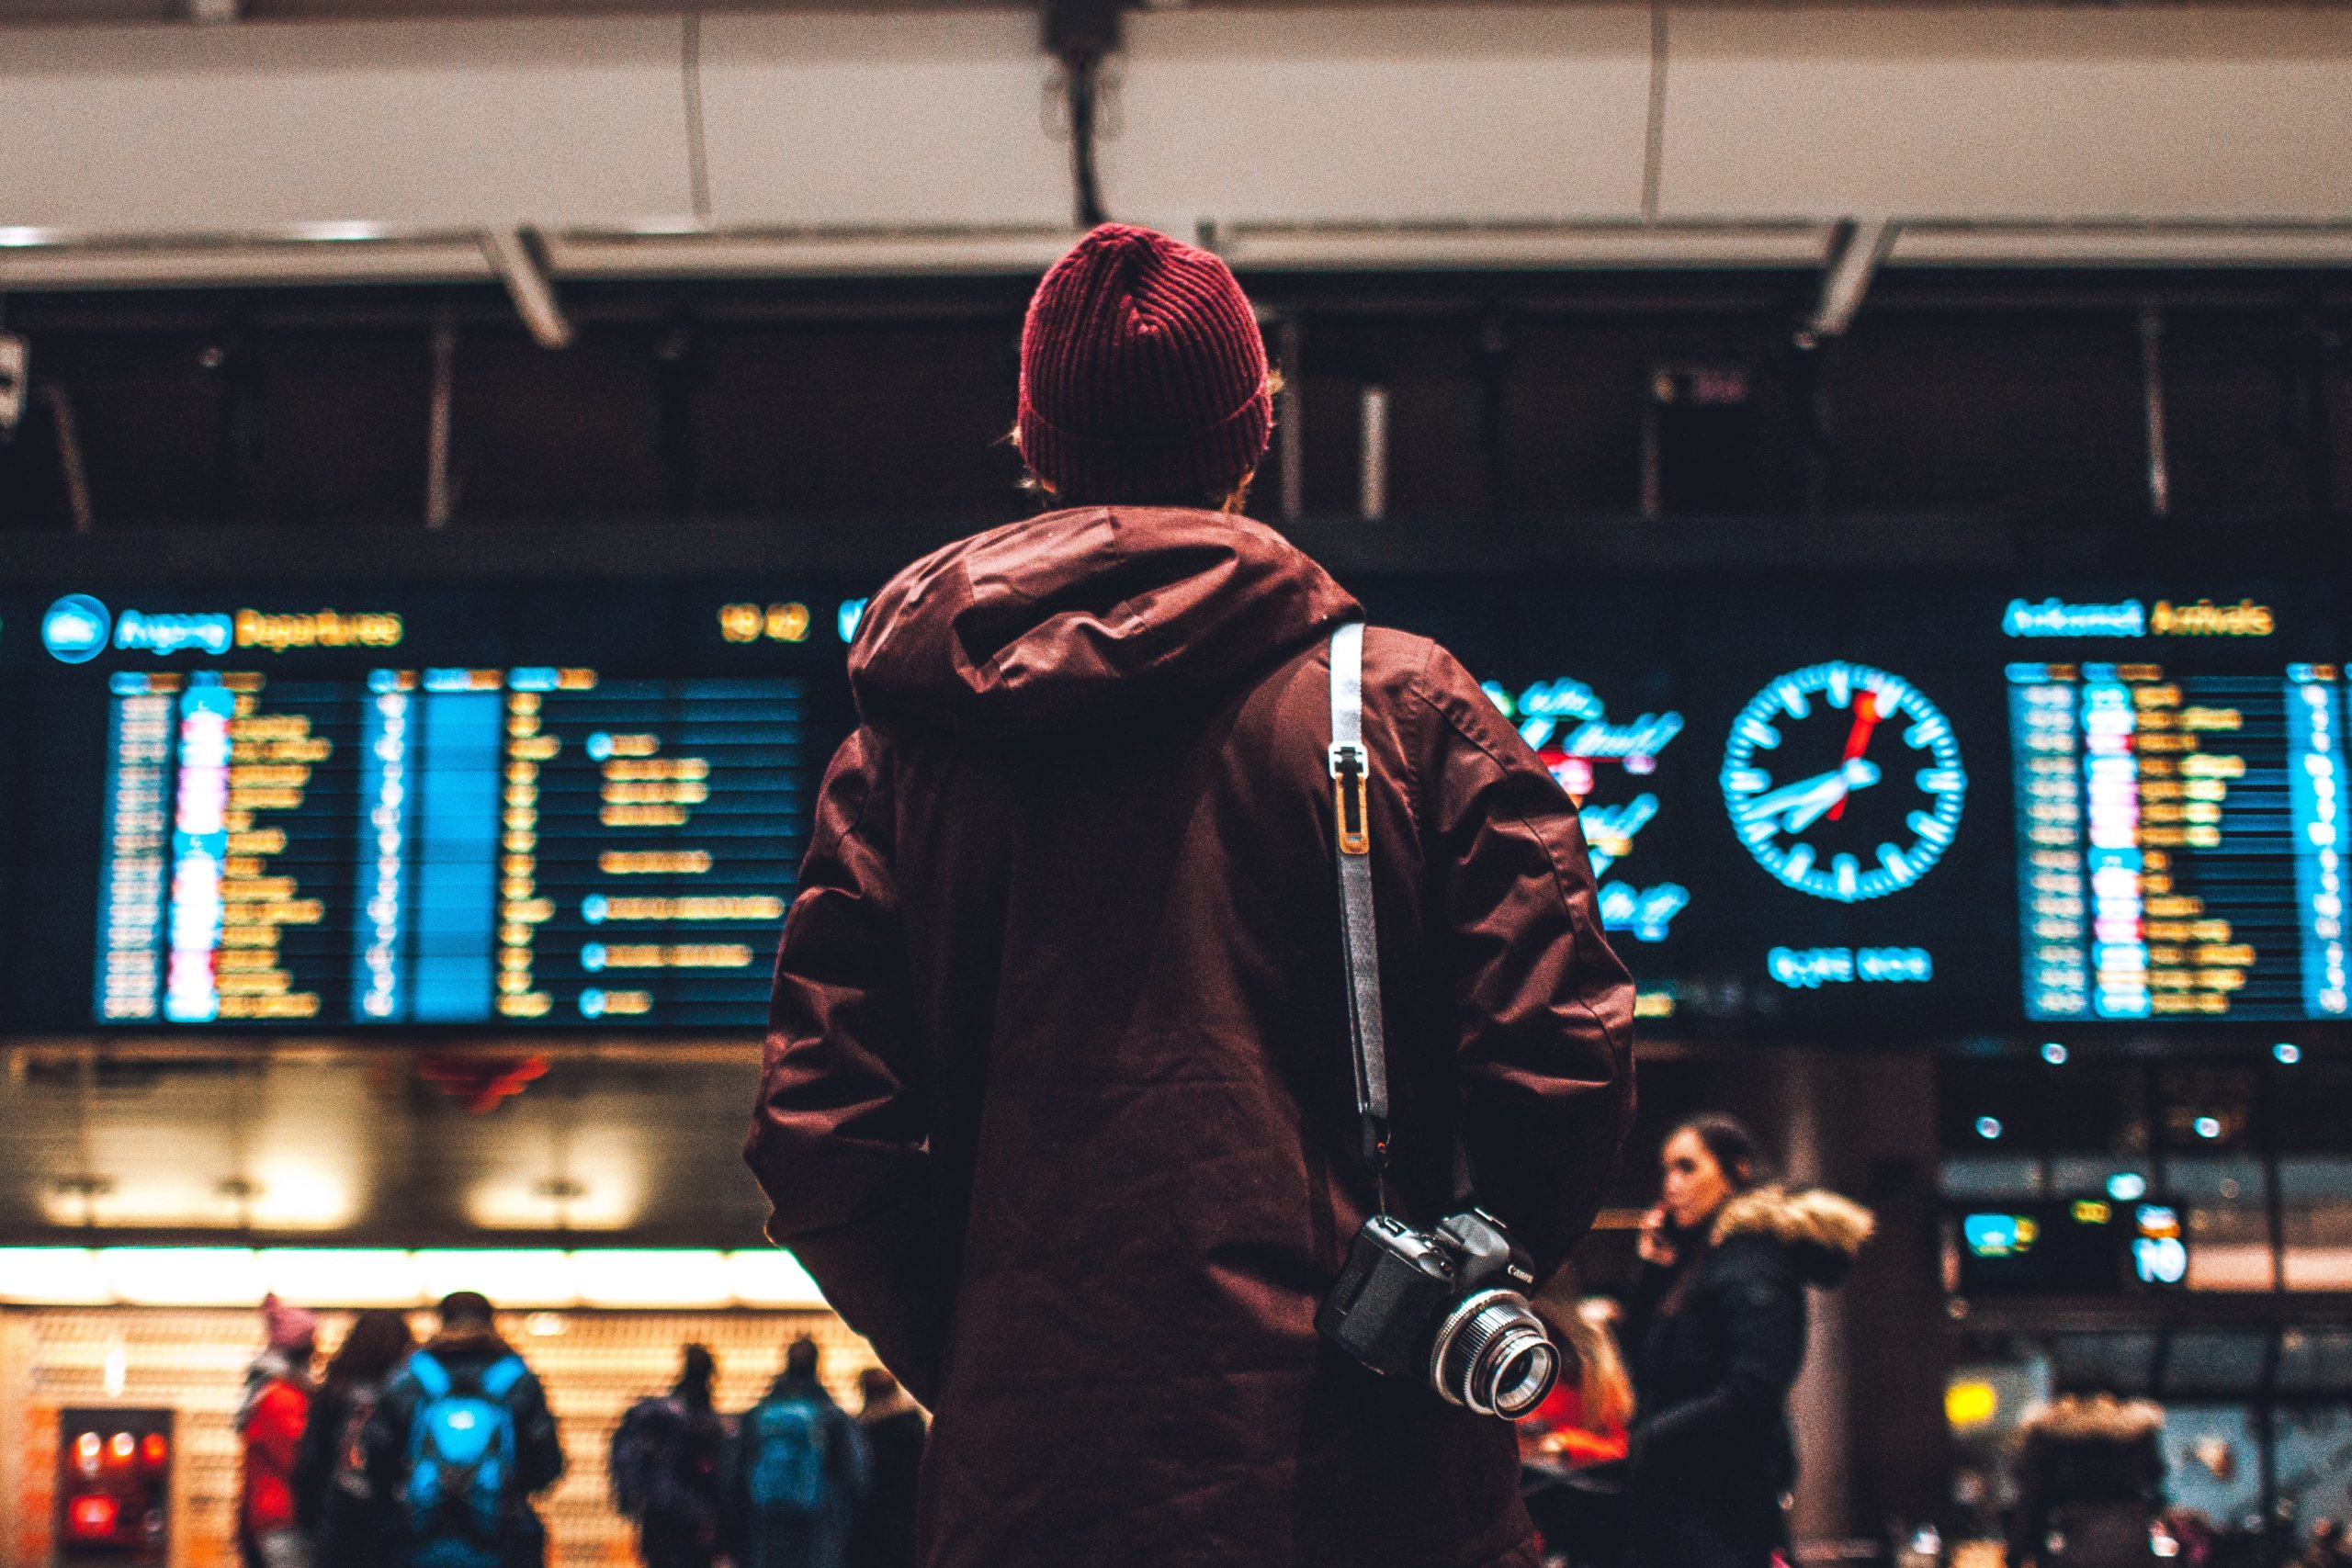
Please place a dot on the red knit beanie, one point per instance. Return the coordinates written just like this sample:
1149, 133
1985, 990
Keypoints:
1143, 376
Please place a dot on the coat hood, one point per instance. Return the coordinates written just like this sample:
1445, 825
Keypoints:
2100, 1417
1822, 1229
1084, 618
272, 1367
468, 1344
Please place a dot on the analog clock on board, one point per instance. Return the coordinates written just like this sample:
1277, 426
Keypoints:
1843, 781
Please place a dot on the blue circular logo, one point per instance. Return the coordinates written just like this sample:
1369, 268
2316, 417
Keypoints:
75, 631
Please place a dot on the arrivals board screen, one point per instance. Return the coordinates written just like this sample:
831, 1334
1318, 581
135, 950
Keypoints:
2179, 841
1817, 804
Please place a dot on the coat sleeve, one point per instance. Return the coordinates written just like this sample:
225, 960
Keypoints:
273, 1435
384, 1441
839, 1139
538, 1448
1542, 1010
1759, 1317
315, 1459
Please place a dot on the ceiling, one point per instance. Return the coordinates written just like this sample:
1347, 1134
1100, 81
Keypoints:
44, 13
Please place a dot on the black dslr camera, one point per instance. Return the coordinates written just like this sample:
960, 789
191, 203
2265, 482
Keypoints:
1444, 1305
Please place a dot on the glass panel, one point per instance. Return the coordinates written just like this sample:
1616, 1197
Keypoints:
1970, 1178
2211, 1464
2210, 1362
2208, 1109
2224, 1179
2095, 1109
1983, 1108
2318, 1245
2229, 1250
2121, 1362
2304, 1178
2312, 1450
2229, 1221
2307, 1106
2315, 1360
2093, 1176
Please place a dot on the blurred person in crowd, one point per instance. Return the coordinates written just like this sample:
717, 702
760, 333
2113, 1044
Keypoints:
799, 1471
1059, 1104
1573, 1448
348, 1524
459, 1441
270, 1421
2090, 1471
668, 1468
894, 1429
2329, 1547
1583, 1422
1717, 1328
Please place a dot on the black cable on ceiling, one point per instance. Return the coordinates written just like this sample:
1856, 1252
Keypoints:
1083, 34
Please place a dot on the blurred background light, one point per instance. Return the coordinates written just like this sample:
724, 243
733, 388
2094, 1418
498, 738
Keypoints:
536, 1280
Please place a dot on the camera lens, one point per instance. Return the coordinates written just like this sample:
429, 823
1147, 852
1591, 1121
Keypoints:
1524, 1368
1493, 1355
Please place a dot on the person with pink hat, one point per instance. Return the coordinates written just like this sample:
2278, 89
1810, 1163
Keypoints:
1063, 1105
270, 1420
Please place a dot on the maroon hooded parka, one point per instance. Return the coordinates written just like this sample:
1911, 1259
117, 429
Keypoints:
1059, 1105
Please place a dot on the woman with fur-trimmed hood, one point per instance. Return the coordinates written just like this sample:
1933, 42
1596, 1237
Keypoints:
2090, 1477
1717, 1329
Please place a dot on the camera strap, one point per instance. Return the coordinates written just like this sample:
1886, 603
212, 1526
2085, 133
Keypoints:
1350, 764
1359, 937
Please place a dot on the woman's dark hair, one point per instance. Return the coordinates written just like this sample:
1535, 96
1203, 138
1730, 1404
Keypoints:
1732, 1146
379, 1340
694, 1381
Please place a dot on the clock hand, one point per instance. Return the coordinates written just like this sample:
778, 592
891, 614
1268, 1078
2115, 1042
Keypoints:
1859, 773
1789, 799
1858, 739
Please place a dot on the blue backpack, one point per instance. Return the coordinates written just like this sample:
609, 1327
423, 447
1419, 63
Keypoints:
784, 1443
461, 1451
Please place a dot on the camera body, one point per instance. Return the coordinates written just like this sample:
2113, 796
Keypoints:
1445, 1306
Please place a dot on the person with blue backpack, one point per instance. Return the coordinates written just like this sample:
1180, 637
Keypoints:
800, 1472
460, 1441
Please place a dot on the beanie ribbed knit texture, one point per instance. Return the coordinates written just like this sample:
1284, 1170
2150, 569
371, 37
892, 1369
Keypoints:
1143, 376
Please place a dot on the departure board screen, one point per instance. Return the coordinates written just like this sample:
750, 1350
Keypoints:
1819, 806
446, 846
557, 803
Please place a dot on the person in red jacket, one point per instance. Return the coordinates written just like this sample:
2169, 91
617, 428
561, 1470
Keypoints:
269, 1424
1059, 1101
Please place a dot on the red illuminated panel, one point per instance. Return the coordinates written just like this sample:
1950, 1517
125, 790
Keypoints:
92, 1516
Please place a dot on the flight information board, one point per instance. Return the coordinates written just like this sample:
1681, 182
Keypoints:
446, 846
1817, 804
2179, 841
529, 806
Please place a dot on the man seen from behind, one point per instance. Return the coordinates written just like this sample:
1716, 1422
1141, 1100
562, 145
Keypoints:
1060, 1105
460, 1441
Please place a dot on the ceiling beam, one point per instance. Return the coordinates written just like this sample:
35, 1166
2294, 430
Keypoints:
1861, 243
515, 256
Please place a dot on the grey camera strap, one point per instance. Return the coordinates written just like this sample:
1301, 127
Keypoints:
1359, 937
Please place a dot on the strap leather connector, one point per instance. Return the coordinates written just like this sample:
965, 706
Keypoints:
1349, 798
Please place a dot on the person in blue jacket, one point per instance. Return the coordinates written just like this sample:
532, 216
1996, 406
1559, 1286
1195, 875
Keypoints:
460, 1441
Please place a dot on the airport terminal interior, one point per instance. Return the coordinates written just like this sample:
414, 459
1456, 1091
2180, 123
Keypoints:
448, 448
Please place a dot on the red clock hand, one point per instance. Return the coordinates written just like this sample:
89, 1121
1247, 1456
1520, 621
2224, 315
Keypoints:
1858, 739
